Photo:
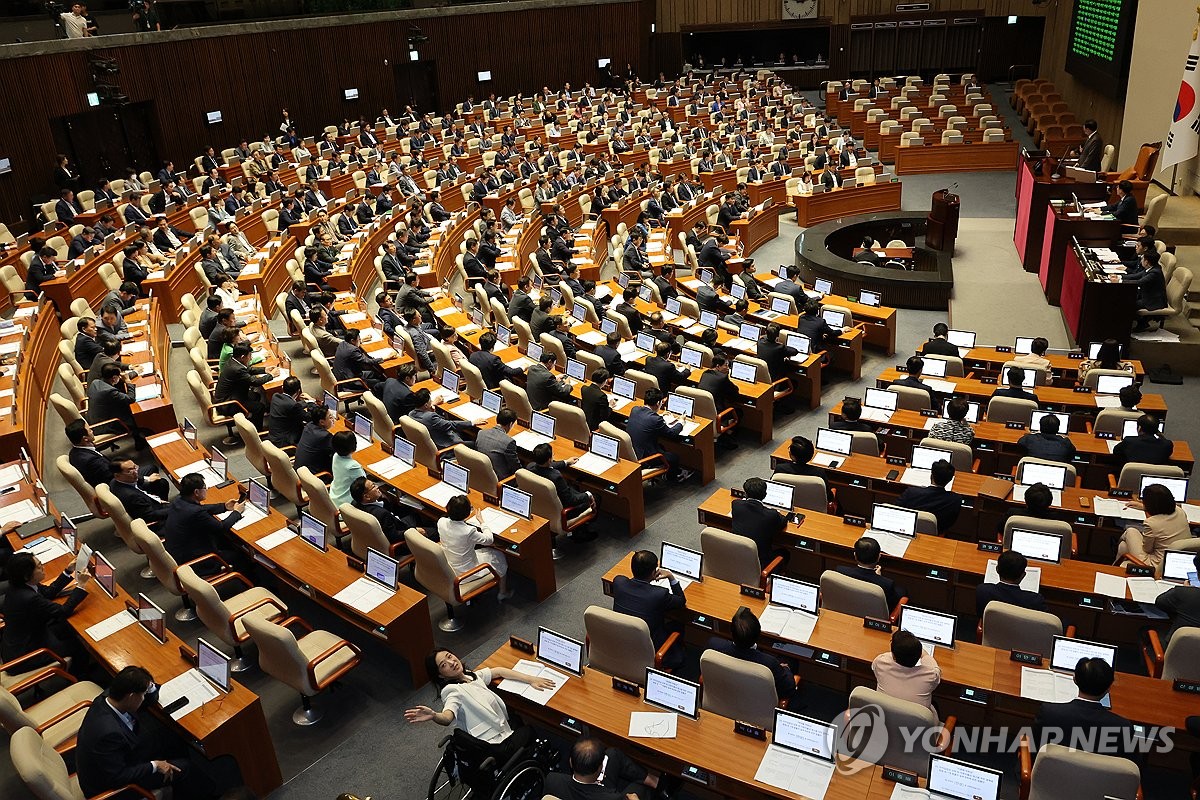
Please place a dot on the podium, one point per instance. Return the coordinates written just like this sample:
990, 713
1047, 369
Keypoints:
941, 226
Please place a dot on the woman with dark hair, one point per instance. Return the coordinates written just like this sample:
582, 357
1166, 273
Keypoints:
469, 704
1165, 527
1108, 356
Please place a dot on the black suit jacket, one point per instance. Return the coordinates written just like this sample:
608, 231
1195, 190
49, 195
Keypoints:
1006, 593
647, 602
285, 421
315, 449
664, 371
723, 390
397, 398
1125, 210
760, 524
942, 504
612, 359
393, 528
29, 613
138, 503
940, 347
915, 383
594, 403
521, 306
191, 530
1183, 604
1074, 720
491, 368
891, 591
106, 401
1143, 449
776, 354
95, 468
86, 350
237, 379
109, 755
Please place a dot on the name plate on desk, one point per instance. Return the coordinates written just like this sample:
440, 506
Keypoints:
988, 381
896, 461
1004, 477
928, 412
1002, 348
900, 776
749, 729
738, 494
1106, 435
1015, 426
991, 547
938, 574
524, 645
873, 624
800, 543
1022, 657
851, 519
1188, 686
355, 564
1120, 494
1082, 389
628, 687
1138, 571
752, 591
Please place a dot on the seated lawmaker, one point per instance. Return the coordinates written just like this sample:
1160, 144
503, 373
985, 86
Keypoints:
939, 345
867, 554
1125, 209
757, 522
914, 367
600, 774
800, 453
851, 418
1016, 386
1165, 528
955, 428
1048, 443
640, 597
1084, 723
647, 425
142, 491
1149, 446
1010, 567
935, 498
393, 518
192, 530
907, 672
744, 631
1182, 603
32, 620
573, 500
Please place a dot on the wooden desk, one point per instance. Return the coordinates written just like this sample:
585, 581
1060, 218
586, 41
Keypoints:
527, 544
977, 157
402, 621
1095, 310
1061, 230
756, 231
707, 742
1034, 193
824, 206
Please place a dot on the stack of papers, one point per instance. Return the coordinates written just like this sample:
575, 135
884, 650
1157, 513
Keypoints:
592, 338
21, 512
1047, 686
653, 725
881, 415
164, 438
827, 459
250, 516
684, 582
1030, 583
630, 351
389, 467
1109, 585
136, 347
940, 386
1107, 400
11, 474
538, 670
891, 543
350, 319
520, 362
1146, 590
273, 540
192, 685
147, 391
107, 627
495, 520
473, 412
527, 440
384, 353
593, 464
794, 772
364, 595
738, 343
1108, 507
788, 623
440, 493
211, 477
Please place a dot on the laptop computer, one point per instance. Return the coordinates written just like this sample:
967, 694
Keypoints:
1177, 486
1037, 545
973, 411
832, 447
954, 779
601, 456
1054, 476
893, 527
878, 405
931, 627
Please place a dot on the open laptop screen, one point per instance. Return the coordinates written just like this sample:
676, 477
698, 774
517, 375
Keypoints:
881, 398
1112, 384
926, 457
928, 626
1065, 653
779, 495
1177, 486
1037, 545
605, 446
804, 734
382, 568
894, 519
795, 594
1179, 565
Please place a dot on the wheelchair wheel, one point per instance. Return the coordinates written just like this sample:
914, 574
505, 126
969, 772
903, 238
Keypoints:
445, 785
522, 782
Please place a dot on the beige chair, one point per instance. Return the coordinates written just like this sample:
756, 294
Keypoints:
864, 443
1041, 377
1178, 287
426, 452
1093, 376
546, 503
570, 422
903, 715
1008, 627
44, 772
734, 558
1112, 420
432, 571
954, 364
320, 504
620, 644
1067, 547
961, 455
309, 664
473, 378
215, 414
254, 445
516, 399
808, 491
365, 532
725, 419
56, 717
482, 476
1010, 409
1060, 772
910, 398
382, 427
738, 689
226, 618
164, 567
69, 412
854, 597
122, 523
1178, 660
283, 475
653, 466
1132, 473
85, 490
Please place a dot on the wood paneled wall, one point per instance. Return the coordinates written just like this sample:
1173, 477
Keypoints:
250, 76
673, 15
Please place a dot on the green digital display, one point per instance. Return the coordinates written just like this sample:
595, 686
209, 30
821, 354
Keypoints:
1100, 44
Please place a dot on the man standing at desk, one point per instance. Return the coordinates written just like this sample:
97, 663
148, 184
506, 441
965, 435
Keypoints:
1091, 150
640, 597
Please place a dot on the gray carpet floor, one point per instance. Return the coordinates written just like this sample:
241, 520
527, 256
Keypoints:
364, 746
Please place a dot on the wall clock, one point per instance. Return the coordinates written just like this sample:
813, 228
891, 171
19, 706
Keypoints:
799, 9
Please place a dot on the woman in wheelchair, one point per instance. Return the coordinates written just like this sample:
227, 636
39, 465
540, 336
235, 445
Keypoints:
468, 703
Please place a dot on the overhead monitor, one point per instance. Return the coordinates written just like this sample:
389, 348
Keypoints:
350, 94
484, 75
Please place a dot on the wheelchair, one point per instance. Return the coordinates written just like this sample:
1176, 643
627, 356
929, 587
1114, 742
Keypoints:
468, 769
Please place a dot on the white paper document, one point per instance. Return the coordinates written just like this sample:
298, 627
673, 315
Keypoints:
892, 544
940, 386
192, 685
136, 347
350, 319
250, 516
389, 467
592, 338
495, 519
1030, 583
1146, 590
211, 477
147, 391
881, 415
364, 595
1107, 400
11, 474
21, 512
788, 770
593, 464
48, 549
1108, 507
107, 627
520, 362
164, 438
527, 440
440, 493
1110, 585
273, 540
537, 669
1047, 686
473, 413
827, 459
787, 623
653, 725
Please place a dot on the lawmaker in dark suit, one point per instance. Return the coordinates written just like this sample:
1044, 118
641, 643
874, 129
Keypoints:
397, 395
87, 347
444, 432
42, 268
500, 448
1147, 447
1151, 285
521, 304
1083, 723
366, 496
315, 448
83, 455
543, 387
1125, 209
573, 500
609, 354
111, 752
593, 399
110, 397
32, 619
1183, 604
776, 354
867, 568
1091, 150
1016, 386
745, 630
350, 361
241, 382
646, 425
939, 345
912, 380
935, 498
756, 522
285, 420
490, 367
715, 380
661, 368
135, 492
191, 529
1010, 567
639, 597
